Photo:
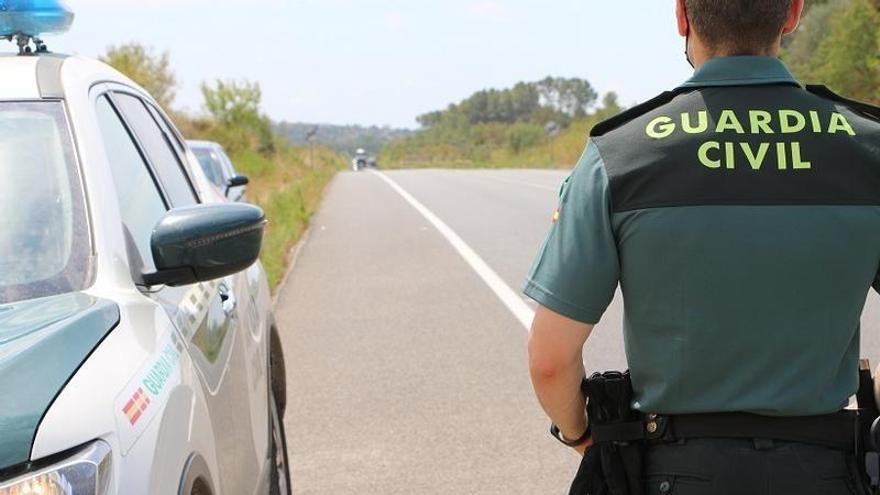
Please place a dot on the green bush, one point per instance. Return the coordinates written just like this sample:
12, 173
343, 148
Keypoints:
522, 135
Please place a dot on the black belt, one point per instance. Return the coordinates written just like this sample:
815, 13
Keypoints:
837, 431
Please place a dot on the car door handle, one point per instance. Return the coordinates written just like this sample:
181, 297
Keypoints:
227, 300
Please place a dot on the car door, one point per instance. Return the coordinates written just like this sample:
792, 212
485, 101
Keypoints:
235, 193
208, 315
246, 296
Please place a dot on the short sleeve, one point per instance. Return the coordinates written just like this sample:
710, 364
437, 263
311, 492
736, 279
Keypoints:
576, 271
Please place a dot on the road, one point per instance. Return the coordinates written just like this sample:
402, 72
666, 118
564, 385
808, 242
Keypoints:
406, 373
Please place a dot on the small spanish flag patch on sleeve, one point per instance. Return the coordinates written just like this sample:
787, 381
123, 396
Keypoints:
556, 215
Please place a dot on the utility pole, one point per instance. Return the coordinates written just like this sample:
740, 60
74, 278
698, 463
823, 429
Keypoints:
311, 136
551, 129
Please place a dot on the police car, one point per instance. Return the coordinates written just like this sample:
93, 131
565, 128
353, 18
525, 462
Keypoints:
219, 169
138, 353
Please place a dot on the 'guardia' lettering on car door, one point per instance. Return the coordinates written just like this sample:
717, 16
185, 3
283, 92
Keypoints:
731, 155
157, 377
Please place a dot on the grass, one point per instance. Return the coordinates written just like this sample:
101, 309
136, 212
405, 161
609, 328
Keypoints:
288, 186
561, 151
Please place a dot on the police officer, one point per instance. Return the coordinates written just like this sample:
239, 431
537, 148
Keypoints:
740, 215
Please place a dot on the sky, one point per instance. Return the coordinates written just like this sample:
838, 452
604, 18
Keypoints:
384, 62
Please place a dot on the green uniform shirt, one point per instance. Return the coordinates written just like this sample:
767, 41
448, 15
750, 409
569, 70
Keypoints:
740, 215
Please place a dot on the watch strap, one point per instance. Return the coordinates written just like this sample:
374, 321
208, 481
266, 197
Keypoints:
557, 434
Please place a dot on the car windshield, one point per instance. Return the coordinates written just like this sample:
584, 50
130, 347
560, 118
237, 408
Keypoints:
44, 238
211, 164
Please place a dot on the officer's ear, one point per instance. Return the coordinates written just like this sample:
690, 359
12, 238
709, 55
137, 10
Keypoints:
794, 17
684, 26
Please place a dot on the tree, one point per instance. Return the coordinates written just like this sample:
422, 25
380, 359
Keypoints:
552, 99
232, 103
850, 54
235, 107
610, 106
141, 65
811, 4
801, 48
573, 97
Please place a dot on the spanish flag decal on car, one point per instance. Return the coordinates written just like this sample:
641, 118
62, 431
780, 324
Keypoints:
136, 406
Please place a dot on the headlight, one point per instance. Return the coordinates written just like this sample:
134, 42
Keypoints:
85, 473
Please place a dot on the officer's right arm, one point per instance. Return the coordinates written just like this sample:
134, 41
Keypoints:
573, 279
557, 369
577, 270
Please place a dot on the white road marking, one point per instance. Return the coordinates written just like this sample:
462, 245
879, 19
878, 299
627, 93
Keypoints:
514, 303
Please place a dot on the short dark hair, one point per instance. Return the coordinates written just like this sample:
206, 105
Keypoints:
738, 26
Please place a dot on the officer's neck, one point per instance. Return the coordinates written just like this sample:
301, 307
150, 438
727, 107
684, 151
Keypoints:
700, 54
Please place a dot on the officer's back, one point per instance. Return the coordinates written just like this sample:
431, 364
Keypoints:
745, 214
740, 215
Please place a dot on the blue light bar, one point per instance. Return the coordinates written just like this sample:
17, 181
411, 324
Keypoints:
34, 17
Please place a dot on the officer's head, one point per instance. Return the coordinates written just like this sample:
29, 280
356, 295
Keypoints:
736, 27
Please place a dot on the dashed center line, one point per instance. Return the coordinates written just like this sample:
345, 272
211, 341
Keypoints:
510, 298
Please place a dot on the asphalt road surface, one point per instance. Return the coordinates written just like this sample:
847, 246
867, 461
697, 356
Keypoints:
406, 373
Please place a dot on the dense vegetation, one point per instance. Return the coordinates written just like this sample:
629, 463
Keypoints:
342, 138
285, 181
530, 124
837, 44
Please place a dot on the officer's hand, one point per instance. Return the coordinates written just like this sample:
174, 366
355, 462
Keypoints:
582, 449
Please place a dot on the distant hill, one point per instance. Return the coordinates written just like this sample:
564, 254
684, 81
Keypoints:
343, 138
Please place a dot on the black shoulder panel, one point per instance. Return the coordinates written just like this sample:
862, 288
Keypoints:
742, 165
863, 108
633, 113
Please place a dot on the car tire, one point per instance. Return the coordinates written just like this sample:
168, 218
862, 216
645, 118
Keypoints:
280, 474
277, 371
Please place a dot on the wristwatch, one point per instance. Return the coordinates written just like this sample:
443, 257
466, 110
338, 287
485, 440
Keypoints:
554, 430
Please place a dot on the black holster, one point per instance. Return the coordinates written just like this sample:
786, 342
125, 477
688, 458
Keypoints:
613, 465
868, 440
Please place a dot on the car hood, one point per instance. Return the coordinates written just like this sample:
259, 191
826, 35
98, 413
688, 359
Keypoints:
42, 344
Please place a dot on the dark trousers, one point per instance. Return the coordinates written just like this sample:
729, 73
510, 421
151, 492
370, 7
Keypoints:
747, 467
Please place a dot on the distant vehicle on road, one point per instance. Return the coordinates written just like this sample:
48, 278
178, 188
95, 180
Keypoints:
361, 160
138, 350
219, 169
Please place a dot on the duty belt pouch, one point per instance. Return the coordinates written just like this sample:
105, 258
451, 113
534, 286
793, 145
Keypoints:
613, 465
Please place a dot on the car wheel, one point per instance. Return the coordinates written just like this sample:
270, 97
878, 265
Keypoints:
280, 480
277, 372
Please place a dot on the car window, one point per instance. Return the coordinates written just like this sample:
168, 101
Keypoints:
227, 164
166, 126
157, 145
140, 203
211, 164
44, 236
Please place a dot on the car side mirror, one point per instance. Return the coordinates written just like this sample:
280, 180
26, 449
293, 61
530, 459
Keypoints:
235, 181
205, 242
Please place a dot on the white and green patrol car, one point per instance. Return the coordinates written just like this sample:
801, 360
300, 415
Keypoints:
138, 353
